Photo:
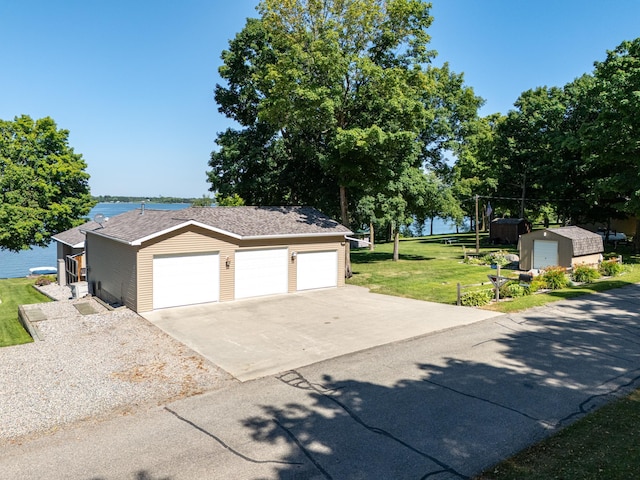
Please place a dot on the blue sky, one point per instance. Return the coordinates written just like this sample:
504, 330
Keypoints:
133, 80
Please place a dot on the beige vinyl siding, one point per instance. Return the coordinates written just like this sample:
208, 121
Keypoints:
191, 240
591, 260
112, 271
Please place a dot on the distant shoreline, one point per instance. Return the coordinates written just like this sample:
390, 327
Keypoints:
123, 199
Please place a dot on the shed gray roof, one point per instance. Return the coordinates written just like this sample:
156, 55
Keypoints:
136, 226
74, 237
508, 221
583, 241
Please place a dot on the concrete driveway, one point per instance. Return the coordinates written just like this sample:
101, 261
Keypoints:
264, 336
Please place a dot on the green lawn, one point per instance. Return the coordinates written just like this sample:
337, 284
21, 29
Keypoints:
427, 269
430, 270
14, 292
604, 444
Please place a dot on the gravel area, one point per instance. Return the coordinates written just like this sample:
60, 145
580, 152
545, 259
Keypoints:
93, 366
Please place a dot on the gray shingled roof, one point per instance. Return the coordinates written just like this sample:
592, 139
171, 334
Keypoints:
240, 222
583, 241
74, 237
508, 221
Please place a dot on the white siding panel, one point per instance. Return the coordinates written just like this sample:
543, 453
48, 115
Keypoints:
261, 272
185, 279
317, 270
545, 253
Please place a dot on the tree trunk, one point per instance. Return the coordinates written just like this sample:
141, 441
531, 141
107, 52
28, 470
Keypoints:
431, 228
636, 237
345, 221
396, 245
371, 237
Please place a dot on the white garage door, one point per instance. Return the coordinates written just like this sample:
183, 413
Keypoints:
185, 279
317, 270
545, 253
261, 272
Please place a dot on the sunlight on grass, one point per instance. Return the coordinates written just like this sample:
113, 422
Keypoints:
430, 270
604, 444
15, 292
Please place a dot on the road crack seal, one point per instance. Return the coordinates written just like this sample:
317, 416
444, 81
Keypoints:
223, 444
294, 379
582, 410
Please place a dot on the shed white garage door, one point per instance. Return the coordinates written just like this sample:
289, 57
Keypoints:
545, 253
261, 272
185, 279
317, 270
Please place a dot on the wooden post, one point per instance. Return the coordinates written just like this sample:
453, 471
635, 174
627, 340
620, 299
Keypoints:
459, 294
477, 231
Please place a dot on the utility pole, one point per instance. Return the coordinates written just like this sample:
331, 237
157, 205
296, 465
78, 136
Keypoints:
477, 231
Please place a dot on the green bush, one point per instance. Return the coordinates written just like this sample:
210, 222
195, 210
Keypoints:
537, 284
610, 268
584, 274
555, 278
474, 261
44, 280
476, 298
513, 289
496, 258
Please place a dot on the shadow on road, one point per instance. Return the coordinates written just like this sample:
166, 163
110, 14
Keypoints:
512, 381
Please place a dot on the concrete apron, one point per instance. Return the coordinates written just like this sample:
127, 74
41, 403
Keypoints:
263, 336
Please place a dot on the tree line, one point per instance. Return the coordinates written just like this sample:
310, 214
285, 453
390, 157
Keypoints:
338, 105
572, 152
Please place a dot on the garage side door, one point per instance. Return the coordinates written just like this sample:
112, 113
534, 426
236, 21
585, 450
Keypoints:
545, 253
261, 272
185, 279
317, 270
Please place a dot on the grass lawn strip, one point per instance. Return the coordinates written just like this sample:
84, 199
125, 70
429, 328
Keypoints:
15, 292
604, 444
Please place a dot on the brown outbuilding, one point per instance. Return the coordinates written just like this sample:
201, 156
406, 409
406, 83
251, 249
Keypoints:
564, 246
508, 230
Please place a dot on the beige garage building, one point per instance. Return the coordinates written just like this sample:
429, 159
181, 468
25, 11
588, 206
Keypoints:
564, 246
151, 259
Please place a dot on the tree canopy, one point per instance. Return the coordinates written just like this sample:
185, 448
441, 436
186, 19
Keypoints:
574, 150
43, 184
338, 107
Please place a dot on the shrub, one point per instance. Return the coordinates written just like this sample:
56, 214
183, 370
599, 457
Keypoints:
537, 284
496, 258
513, 289
476, 298
474, 261
43, 280
610, 268
555, 278
584, 274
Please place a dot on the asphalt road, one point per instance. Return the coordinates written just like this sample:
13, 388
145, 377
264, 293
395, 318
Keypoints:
444, 405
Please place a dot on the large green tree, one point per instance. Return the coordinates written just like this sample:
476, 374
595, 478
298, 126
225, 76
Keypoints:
610, 138
337, 105
43, 184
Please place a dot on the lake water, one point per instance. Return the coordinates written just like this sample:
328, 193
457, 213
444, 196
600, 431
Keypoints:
13, 265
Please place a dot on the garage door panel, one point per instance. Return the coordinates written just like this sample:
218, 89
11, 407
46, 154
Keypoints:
317, 270
261, 272
185, 279
545, 253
